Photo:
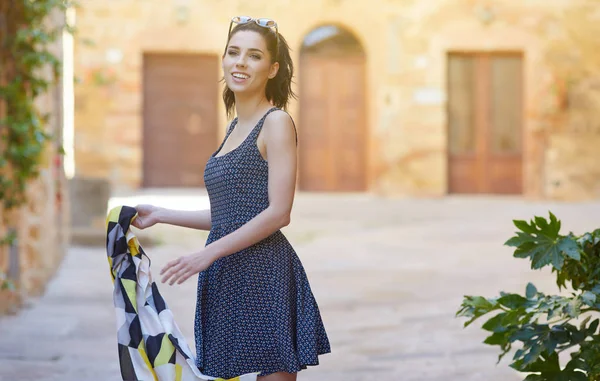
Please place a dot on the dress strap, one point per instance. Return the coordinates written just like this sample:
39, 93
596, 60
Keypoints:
260, 123
231, 127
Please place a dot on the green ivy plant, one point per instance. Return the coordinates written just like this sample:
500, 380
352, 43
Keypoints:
25, 40
542, 326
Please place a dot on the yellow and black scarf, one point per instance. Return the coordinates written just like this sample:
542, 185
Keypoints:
151, 346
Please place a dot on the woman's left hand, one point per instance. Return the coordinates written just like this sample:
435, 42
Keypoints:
180, 269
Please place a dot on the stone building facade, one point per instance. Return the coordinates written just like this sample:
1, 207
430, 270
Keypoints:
41, 224
419, 98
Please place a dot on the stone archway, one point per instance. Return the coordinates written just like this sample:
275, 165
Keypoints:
333, 134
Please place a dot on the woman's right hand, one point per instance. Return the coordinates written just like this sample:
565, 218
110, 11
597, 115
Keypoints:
147, 216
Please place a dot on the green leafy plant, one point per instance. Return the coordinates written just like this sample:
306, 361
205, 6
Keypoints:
26, 38
543, 326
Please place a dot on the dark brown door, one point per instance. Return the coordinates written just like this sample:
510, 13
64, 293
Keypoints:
332, 123
180, 118
485, 123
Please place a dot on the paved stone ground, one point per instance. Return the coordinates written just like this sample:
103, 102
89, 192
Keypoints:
388, 275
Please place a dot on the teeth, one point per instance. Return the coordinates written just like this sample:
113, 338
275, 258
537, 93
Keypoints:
241, 76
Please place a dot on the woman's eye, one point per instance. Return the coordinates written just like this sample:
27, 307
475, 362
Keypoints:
232, 52
255, 56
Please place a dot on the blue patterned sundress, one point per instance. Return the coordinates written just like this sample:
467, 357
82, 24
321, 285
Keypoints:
255, 310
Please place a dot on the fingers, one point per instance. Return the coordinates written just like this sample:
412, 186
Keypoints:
180, 277
177, 271
171, 269
171, 277
138, 220
170, 264
185, 276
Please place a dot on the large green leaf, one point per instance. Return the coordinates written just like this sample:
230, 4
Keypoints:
546, 252
539, 240
512, 301
568, 246
496, 323
520, 239
525, 227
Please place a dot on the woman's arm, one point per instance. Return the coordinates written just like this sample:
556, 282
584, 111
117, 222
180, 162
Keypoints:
149, 215
194, 219
280, 141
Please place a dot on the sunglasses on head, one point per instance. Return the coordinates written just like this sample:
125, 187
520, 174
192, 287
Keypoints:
264, 22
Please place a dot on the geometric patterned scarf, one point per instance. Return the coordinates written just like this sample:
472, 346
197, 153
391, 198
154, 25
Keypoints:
151, 346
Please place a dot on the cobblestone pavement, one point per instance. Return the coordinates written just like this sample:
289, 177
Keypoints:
389, 274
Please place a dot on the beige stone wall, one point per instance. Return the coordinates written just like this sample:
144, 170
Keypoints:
573, 154
41, 224
406, 43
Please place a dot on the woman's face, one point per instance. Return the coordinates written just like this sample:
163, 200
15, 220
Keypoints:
247, 63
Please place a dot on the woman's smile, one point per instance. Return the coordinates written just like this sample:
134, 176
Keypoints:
239, 77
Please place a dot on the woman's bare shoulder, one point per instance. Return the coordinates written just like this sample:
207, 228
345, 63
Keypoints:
280, 125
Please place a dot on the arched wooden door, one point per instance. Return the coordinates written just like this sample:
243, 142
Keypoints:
332, 131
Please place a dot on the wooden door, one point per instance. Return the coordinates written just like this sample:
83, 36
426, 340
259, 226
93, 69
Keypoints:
485, 123
180, 118
332, 123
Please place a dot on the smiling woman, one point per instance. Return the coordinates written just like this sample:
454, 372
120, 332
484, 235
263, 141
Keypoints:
255, 309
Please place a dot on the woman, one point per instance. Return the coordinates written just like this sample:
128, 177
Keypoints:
255, 310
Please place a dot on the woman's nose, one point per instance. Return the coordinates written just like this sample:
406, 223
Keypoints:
241, 61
